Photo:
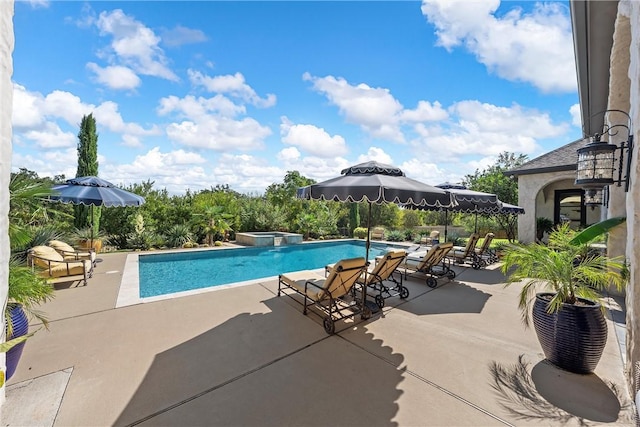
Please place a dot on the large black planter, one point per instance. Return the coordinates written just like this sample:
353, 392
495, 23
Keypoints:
20, 324
573, 338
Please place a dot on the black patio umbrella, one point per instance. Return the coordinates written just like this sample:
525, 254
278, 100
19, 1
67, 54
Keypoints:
508, 208
93, 191
374, 182
470, 201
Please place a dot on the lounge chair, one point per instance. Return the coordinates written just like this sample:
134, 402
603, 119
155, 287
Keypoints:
484, 253
382, 271
462, 254
325, 293
68, 252
432, 263
55, 268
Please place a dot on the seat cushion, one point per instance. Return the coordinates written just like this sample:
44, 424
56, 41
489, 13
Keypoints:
64, 269
70, 253
61, 246
46, 252
298, 281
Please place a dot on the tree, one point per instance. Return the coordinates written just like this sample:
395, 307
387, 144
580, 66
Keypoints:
354, 217
494, 180
87, 166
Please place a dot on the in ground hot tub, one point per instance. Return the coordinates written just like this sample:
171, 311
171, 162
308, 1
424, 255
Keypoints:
268, 238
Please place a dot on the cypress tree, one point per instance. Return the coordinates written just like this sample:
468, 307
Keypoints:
354, 217
87, 166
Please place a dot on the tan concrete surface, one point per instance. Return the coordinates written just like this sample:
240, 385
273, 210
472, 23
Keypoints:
454, 355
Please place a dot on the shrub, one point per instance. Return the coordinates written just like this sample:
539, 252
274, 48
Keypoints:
395, 236
217, 243
360, 233
178, 235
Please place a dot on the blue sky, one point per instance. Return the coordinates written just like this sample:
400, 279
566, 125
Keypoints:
195, 94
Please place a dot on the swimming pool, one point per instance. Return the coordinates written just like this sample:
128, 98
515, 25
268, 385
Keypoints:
169, 273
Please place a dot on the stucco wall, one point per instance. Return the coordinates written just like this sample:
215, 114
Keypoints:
542, 203
6, 103
632, 11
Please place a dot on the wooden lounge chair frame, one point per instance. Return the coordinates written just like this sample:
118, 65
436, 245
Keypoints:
433, 264
326, 293
383, 271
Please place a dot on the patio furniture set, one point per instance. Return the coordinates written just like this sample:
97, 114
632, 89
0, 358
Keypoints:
341, 293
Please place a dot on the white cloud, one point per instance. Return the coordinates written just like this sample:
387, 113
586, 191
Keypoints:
288, 155
134, 45
115, 77
48, 163
209, 123
376, 154
576, 115
51, 136
374, 109
312, 139
535, 47
38, 118
180, 35
199, 108
26, 108
425, 112
232, 85
220, 133
484, 129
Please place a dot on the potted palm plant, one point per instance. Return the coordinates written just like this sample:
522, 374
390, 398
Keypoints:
26, 288
561, 292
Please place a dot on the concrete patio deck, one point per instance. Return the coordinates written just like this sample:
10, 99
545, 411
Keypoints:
450, 356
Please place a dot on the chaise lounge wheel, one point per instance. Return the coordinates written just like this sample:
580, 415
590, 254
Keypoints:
366, 313
476, 265
379, 301
432, 282
329, 325
404, 292
451, 274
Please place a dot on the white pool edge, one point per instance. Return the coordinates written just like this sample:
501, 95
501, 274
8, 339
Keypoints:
129, 293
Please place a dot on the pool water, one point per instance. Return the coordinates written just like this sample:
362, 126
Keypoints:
168, 273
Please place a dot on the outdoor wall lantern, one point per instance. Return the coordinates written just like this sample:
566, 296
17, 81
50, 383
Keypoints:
597, 161
593, 197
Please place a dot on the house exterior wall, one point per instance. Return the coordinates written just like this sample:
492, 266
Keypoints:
628, 35
6, 104
543, 186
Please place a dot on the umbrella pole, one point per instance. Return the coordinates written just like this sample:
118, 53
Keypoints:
446, 211
91, 216
476, 227
366, 259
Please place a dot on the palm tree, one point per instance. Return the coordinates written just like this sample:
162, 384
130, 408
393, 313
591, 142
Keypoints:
571, 271
213, 221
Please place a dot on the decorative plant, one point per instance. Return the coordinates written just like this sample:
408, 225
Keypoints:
360, 233
543, 225
565, 266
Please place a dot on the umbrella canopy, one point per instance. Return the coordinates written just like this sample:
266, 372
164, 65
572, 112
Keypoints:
91, 190
508, 208
470, 201
378, 183
374, 182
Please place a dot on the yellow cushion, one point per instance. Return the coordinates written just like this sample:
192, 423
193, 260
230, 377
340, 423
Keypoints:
61, 246
70, 253
46, 252
64, 269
